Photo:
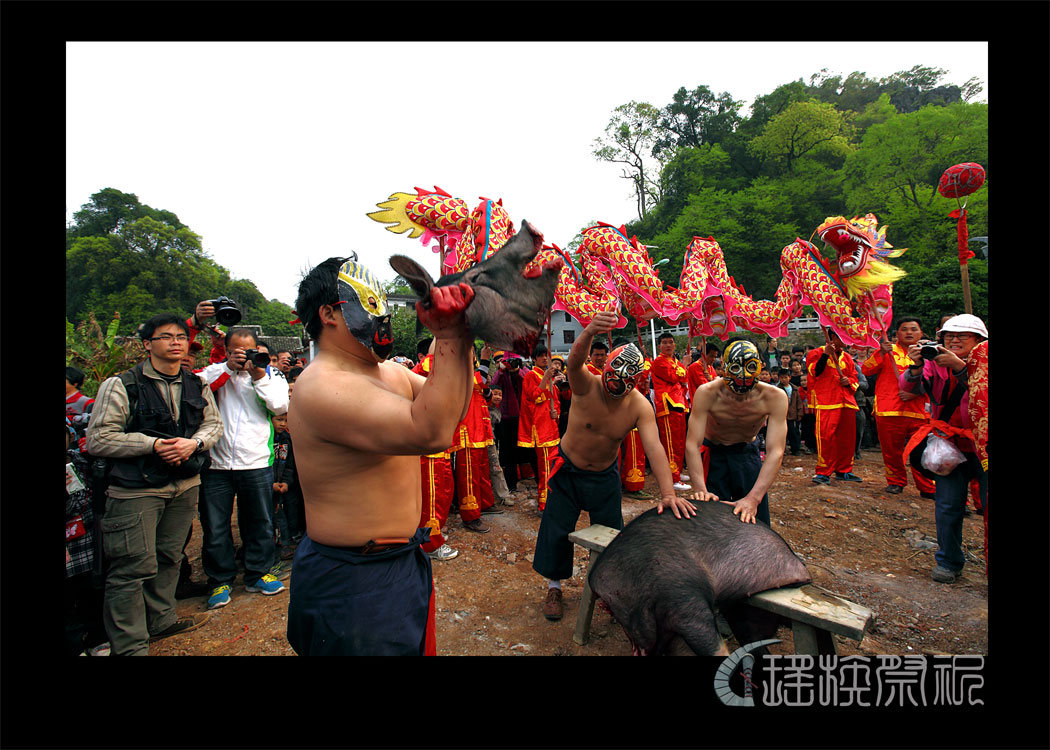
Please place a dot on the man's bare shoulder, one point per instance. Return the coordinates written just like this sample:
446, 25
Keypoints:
773, 396
708, 392
325, 382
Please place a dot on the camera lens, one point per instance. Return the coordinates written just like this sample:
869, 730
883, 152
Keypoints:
929, 352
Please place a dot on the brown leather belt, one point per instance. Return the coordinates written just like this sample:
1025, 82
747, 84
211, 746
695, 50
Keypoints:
382, 544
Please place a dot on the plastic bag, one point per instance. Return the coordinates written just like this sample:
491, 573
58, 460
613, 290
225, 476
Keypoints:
941, 456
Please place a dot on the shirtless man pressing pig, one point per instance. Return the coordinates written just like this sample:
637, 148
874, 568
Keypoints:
727, 414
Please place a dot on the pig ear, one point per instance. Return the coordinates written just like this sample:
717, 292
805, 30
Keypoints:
525, 244
416, 276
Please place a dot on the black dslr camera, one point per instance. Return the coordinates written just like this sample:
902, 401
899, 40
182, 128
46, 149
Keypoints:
226, 311
929, 349
256, 357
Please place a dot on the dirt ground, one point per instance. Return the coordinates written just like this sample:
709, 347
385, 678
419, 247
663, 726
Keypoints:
857, 541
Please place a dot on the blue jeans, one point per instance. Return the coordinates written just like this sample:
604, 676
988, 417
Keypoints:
254, 491
949, 503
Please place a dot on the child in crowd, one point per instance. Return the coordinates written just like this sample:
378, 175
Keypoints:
808, 423
499, 481
287, 510
796, 408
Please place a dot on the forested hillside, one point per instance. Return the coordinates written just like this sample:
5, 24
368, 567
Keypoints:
127, 257
698, 166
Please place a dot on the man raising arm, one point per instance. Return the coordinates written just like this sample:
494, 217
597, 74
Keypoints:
360, 425
586, 475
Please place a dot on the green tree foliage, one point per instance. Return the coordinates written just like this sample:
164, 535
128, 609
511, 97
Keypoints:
835, 145
404, 323
100, 355
697, 118
805, 129
124, 256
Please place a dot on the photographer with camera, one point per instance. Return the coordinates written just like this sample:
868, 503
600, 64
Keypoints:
940, 371
248, 395
155, 423
286, 361
898, 414
222, 309
508, 379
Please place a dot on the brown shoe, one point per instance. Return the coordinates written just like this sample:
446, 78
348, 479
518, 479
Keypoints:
184, 625
476, 525
552, 608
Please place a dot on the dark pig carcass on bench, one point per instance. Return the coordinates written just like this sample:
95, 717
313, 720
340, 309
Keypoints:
511, 302
662, 578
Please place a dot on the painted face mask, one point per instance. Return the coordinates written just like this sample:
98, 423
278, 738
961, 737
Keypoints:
741, 363
365, 309
625, 369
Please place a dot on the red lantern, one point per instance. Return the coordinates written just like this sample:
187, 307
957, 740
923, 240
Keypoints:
956, 182
960, 180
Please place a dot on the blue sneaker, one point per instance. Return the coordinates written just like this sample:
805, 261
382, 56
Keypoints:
267, 585
849, 476
220, 597
821, 479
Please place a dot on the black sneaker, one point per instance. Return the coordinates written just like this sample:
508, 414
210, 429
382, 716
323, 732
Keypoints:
189, 589
821, 479
893, 489
848, 476
928, 495
181, 626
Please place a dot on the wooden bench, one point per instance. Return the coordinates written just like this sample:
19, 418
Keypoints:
814, 614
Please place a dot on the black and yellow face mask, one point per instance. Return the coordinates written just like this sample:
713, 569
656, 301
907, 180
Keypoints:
741, 364
365, 308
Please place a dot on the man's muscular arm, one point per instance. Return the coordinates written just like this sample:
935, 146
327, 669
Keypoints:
363, 414
581, 381
658, 459
694, 438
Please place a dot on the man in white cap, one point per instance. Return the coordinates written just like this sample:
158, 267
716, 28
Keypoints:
944, 377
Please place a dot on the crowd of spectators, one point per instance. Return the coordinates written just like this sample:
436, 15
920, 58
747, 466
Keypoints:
178, 436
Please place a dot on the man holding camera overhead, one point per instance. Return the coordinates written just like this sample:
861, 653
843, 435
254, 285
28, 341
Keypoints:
248, 394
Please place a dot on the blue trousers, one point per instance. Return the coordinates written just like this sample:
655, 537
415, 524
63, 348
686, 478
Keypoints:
732, 473
253, 489
949, 504
571, 492
345, 603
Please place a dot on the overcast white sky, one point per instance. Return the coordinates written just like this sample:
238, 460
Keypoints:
275, 152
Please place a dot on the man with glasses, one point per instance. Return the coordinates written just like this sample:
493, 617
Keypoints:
155, 423
242, 466
945, 379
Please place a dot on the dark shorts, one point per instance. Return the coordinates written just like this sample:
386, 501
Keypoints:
570, 492
343, 602
733, 472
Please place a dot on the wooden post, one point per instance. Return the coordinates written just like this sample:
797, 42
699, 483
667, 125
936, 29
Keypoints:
967, 303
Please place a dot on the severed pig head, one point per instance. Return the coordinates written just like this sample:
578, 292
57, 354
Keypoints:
512, 299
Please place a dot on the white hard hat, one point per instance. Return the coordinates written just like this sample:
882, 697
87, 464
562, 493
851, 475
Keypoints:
965, 322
